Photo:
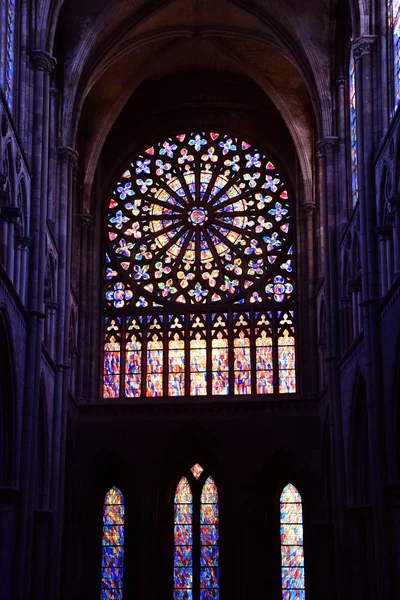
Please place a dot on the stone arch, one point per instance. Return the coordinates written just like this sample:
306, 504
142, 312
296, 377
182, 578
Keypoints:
7, 403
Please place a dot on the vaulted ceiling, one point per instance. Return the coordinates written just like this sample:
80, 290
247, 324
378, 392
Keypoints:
121, 60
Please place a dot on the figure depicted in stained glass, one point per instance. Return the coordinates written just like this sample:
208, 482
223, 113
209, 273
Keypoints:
112, 565
198, 224
292, 551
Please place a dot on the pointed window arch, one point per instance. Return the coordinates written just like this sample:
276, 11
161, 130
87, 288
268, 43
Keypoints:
292, 550
7, 50
196, 537
112, 563
353, 128
394, 26
199, 255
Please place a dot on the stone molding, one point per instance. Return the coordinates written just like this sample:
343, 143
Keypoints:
24, 241
309, 208
43, 61
68, 154
86, 221
327, 145
363, 45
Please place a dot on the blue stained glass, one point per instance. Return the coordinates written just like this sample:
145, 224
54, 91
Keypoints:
183, 516
209, 578
293, 595
395, 16
209, 594
292, 552
112, 571
183, 594
7, 66
353, 128
209, 556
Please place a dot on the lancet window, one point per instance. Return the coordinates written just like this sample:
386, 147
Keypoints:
112, 563
394, 26
196, 537
292, 550
199, 266
8, 49
353, 128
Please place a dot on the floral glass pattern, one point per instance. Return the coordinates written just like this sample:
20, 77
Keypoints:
199, 236
353, 128
112, 564
183, 541
292, 551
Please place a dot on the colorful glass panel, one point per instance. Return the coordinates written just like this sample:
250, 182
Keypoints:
241, 356
112, 358
209, 555
7, 66
183, 541
286, 354
264, 354
112, 564
176, 356
198, 356
155, 357
395, 27
196, 470
292, 551
220, 355
133, 358
353, 128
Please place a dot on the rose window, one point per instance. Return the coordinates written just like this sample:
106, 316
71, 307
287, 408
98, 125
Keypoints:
201, 220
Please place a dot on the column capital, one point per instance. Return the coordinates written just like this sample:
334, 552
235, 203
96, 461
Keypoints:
309, 208
363, 45
327, 145
43, 61
24, 241
68, 154
383, 232
341, 81
11, 214
86, 221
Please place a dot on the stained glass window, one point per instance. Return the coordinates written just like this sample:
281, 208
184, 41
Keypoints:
199, 238
112, 564
394, 25
7, 63
353, 128
196, 537
292, 550
209, 535
183, 542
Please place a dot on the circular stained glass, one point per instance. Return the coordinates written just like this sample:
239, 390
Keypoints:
197, 218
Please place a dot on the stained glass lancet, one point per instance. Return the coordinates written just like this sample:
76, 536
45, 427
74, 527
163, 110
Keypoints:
199, 234
292, 550
8, 50
112, 564
394, 12
209, 546
353, 128
183, 541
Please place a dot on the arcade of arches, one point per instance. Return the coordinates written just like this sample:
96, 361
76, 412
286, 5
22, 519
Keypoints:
199, 299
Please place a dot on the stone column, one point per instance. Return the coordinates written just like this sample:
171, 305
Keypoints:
361, 552
9, 497
393, 526
343, 154
362, 51
43, 65
383, 235
347, 324
309, 212
86, 224
10, 215
53, 308
26, 243
326, 152
355, 289
395, 204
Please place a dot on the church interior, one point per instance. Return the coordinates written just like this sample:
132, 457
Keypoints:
200, 299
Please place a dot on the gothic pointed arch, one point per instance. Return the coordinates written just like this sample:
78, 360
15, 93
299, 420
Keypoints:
292, 545
199, 273
112, 563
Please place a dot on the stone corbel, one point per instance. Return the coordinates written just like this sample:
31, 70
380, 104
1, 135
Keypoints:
363, 45
43, 61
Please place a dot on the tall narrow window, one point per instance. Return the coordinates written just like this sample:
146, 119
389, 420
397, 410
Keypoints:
112, 564
292, 550
209, 554
199, 249
196, 537
112, 358
183, 540
353, 128
394, 12
286, 353
8, 50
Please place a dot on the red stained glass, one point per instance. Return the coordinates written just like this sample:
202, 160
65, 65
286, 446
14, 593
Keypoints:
292, 552
112, 563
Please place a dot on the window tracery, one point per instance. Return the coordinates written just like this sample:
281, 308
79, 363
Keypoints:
199, 256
